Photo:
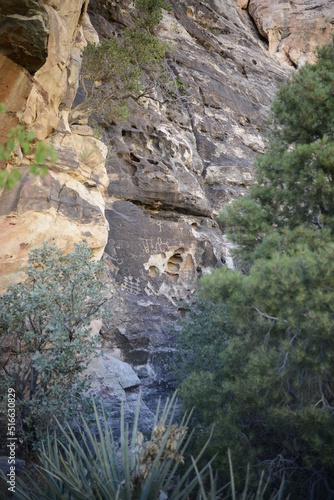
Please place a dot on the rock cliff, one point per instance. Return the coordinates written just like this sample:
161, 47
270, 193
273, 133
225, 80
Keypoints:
38, 88
158, 181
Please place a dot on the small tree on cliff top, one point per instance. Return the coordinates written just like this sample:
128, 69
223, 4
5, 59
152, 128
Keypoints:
45, 336
130, 65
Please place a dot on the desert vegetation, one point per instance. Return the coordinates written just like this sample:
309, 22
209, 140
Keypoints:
256, 355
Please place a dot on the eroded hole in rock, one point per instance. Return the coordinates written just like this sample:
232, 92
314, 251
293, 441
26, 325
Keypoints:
153, 162
153, 271
131, 168
182, 311
134, 157
173, 265
176, 259
126, 133
173, 268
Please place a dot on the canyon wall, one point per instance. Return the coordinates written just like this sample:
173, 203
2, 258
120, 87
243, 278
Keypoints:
147, 196
40, 59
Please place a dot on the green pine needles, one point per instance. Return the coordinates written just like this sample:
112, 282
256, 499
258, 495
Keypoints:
270, 387
127, 66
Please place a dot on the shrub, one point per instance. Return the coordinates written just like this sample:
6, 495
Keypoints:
92, 466
131, 65
45, 337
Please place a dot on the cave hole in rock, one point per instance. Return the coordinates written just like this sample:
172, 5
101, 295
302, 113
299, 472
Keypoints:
173, 277
134, 158
182, 311
174, 263
153, 271
132, 169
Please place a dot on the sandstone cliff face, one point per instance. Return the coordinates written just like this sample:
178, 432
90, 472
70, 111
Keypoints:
294, 29
173, 167
38, 89
170, 169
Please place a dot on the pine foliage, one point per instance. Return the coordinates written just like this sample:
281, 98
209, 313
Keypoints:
270, 391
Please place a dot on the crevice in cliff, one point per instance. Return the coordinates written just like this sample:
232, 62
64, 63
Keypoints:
154, 206
188, 109
204, 38
252, 24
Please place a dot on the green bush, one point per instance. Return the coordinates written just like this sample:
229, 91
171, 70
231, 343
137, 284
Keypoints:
149, 12
129, 65
45, 337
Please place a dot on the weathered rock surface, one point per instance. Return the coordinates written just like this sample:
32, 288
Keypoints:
294, 29
24, 32
67, 205
173, 167
15, 88
110, 378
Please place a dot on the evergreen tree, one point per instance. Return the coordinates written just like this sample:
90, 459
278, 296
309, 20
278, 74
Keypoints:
295, 177
271, 396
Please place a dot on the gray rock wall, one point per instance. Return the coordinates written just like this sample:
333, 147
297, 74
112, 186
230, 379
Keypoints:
173, 167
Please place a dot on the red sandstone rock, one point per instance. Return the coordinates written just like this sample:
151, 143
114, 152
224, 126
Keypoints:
294, 28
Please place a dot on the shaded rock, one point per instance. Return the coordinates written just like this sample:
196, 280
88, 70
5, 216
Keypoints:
15, 87
157, 256
24, 32
154, 261
171, 166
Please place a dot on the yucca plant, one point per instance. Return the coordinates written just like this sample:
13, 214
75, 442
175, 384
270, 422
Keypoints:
94, 466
